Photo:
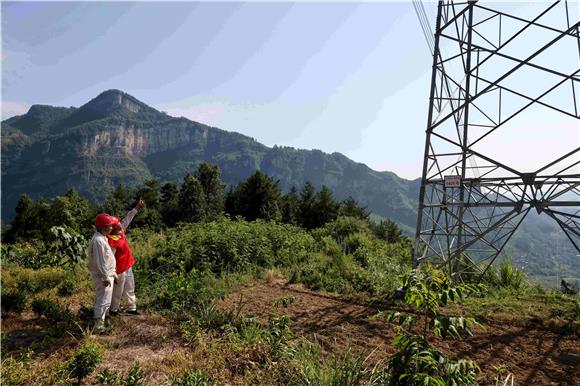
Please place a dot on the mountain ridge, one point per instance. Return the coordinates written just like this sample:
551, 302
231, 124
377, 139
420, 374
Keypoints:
115, 129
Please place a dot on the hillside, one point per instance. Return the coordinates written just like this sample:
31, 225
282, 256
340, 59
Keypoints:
115, 138
232, 302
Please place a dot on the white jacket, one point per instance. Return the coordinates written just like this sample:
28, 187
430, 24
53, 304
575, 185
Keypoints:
101, 257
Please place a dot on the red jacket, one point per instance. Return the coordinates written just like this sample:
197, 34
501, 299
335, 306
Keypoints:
123, 254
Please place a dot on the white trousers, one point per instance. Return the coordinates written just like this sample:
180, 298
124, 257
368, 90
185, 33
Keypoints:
103, 296
124, 290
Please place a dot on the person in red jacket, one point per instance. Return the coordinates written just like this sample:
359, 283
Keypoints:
124, 287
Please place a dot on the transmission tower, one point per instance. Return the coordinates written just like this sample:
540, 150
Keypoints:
498, 68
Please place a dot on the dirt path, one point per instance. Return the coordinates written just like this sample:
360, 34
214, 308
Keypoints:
534, 356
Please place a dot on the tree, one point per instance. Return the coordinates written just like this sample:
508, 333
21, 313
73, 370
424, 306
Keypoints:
389, 231
351, 208
149, 215
325, 207
31, 220
191, 200
169, 204
118, 201
150, 193
417, 362
74, 211
259, 197
290, 207
213, 187
22, 221
232, 205
307, 203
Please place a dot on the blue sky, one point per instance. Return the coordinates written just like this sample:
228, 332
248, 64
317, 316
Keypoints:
346, 77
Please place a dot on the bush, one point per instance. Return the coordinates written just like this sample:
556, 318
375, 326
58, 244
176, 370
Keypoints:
39, 279
66, 288
186, 291
84, 361
52, 311
343, 227
231, 245
14, 301
28, 255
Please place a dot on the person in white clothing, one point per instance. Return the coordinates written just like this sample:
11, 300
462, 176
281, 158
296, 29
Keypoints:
102, 266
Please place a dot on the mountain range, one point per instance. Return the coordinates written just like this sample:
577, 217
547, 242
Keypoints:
115, 138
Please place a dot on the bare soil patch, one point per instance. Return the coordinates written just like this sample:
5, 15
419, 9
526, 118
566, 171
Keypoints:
535, 356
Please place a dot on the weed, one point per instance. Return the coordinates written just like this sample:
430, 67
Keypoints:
283, 301
134, 377
192, 378
108, 377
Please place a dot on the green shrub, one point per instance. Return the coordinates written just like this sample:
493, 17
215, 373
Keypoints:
283, 301
39, 279
14, 301
52, 311
29, 255
66, 288
63, 246
229, 245
342, 227
84, 361
192, 378
186, 291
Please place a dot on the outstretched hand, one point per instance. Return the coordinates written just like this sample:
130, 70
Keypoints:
140, 203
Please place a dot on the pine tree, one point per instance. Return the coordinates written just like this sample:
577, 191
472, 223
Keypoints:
23, 218
325, 207
149, 216
307, 206
169, 204
118, 201
290, 207
389, 231
191, 200
351, 208
213, 187
259, 197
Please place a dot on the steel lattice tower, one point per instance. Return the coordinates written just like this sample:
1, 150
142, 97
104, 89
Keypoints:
491, 66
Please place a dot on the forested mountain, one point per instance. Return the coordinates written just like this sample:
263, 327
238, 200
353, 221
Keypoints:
115, 138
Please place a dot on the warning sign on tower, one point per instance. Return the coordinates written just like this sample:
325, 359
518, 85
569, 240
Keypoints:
452, 181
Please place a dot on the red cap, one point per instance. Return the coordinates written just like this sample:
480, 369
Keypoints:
104, 220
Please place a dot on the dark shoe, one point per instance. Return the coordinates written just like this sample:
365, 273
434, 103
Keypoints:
133, 312
113, 313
